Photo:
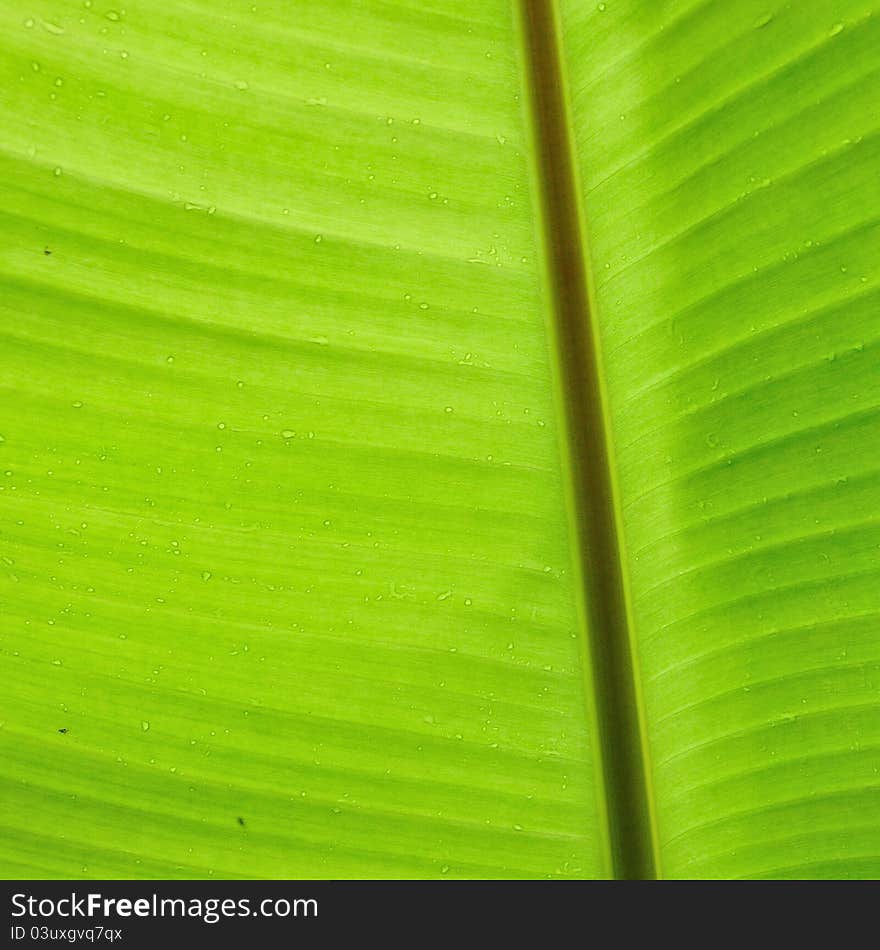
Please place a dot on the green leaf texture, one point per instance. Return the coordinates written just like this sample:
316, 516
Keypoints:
730, 166
284, 532
289, 577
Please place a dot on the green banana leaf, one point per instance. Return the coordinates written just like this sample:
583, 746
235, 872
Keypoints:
299, 470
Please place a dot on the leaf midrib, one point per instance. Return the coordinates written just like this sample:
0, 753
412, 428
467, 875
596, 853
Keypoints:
593, 499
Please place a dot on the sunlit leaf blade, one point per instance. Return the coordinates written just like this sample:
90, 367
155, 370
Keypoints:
730, 163
285, 582
286, 574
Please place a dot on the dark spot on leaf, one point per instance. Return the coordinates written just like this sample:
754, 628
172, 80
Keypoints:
62, 731
46, 251
241, 821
